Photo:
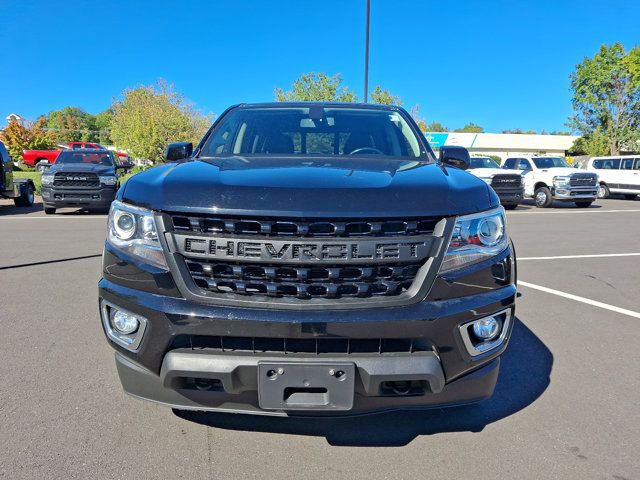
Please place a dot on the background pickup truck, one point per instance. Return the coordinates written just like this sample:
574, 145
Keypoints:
40, 158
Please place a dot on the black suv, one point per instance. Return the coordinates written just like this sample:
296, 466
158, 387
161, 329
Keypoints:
84, 178
308, 258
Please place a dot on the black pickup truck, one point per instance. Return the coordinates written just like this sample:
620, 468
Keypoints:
22, 191
85, 178
308, 258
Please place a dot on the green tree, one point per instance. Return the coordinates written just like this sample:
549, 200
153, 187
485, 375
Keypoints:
103, 125
519, 131
149, 117
436, 127
316, 87
470, 128
28, 136
595, 144
72, 124
606, 99
384, 97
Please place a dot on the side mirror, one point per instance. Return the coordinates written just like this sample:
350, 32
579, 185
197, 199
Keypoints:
178, 151
455, 156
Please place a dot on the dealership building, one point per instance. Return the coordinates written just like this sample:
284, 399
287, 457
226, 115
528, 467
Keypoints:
504, 145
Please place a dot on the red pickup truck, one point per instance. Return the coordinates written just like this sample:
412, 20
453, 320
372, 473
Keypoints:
33, 158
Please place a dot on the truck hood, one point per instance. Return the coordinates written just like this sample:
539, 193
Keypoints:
491, 172
310, 188
82, 167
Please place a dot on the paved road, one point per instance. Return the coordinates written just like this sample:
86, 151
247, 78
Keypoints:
567, 404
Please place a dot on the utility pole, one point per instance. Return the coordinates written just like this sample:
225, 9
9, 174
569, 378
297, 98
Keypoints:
366, 56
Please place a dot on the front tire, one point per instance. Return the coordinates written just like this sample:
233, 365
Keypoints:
49, 210
543, 198
40, 167
603, 191
510, 206
26, 199
630, 196
583, 204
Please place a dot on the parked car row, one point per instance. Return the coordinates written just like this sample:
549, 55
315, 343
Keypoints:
546, 179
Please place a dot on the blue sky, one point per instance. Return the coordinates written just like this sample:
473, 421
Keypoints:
502, 64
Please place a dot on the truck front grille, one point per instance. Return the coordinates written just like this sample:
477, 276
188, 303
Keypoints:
583, 180
315, 346
79, 179
275, 260
506, 181
302, 282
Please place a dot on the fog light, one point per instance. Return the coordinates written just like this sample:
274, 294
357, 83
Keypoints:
122, 327
485, 334
487, 328
125, 322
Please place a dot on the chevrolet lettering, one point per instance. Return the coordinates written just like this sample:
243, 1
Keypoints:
309, 259
362, 251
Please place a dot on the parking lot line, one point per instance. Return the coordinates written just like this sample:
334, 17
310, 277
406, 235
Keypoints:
577, 298
601, 255
571, 211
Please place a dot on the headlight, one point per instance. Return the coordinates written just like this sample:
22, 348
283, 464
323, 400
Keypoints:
475, 238
108, 180
47, 179
487, 180
133, 231
561, 181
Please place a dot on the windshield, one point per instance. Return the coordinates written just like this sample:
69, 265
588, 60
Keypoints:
313, 130
483, 162
87, 158
550, 162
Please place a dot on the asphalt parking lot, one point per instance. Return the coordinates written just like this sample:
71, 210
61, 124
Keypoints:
567, 404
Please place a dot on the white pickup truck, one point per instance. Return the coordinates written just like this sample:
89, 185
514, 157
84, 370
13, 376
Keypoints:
551, 178
506, 183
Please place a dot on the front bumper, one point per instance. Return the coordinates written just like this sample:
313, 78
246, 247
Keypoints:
572, 194
143, 384
449, 375
510, 196
78, 197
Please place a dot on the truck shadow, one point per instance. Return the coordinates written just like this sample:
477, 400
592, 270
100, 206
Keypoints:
7, 207
524, 375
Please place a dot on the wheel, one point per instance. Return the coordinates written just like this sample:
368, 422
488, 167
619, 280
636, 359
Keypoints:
543, 197
630, 196
583, 204
603, 191
49, 210
26, 199
40, 167
510, 206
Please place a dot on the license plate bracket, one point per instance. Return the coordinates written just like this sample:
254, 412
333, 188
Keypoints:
306, 386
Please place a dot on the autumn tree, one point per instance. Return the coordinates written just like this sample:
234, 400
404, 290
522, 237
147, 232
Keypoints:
606, 100
149, 117
72, 124
19, 136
